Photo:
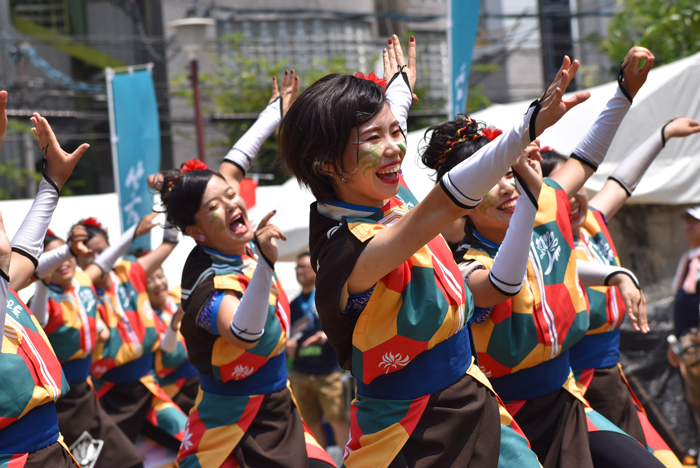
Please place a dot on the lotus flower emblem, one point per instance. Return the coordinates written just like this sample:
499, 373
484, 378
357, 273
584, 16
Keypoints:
393, 361
548, 245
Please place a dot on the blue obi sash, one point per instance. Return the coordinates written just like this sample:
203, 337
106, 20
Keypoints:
270, 378
35, 430
533, 382
596, 351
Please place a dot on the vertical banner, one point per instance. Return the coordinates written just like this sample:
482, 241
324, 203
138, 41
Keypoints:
462, 25
135, 134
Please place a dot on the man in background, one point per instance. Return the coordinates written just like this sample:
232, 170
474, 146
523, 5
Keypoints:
316, 376
687, 314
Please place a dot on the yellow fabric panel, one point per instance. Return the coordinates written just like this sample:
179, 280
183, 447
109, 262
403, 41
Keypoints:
217, 444
281, 344
448, 328
126, 353
365, 231
176, 294
547, 202
376, 319
225, 352
229, 282
83, 278
422, 258
40, 396
122, 271
538, 355
482, 335
571, 387
573, 285
378, 450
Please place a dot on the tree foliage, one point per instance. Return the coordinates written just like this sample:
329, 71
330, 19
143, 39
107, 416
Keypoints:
669, 28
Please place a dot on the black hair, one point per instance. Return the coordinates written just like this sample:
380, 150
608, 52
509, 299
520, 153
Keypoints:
550, 160
49, 237
181, 194
316, 130
93, 228
441, 138
304, 254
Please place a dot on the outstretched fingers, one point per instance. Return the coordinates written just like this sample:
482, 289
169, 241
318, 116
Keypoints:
398, 51
412, 54
266, 219
576, 99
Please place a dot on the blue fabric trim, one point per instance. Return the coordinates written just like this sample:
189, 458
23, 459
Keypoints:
131, 371
485, 241
35, 430
77, 370
533, 382
350, 206
431, 371
218, 298
596, 351
219, 254
183, 371
269, 378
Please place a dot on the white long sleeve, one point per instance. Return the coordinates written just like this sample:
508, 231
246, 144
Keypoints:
40, 303
510, 264
248, 323
109, 257
4, 292
246, 148
593, 147
399, 97
49, 261
597, 274
631, 170
29, 240
471, 179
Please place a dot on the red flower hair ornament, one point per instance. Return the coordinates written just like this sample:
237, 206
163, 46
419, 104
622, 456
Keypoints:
193, 165
93, 222
491, 132
548, 148
371, 77
49, 232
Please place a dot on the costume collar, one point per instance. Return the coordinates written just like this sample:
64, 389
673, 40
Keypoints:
338, 210
481, 243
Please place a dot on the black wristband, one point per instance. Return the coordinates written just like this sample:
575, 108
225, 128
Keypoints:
663, 133
621, 81
584, 161
4, 276
526, 189
260, 252
26, 254
531, 125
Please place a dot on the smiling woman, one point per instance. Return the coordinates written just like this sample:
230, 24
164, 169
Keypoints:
235, 326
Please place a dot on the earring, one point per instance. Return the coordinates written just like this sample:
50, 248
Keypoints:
202, 238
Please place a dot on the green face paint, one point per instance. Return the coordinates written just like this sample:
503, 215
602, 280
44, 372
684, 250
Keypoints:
402, 147
216, 223
372, 161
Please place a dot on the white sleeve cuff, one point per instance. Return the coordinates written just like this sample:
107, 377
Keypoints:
592, 149
29, 240
109, 257
597, 274
246, 148
49, 261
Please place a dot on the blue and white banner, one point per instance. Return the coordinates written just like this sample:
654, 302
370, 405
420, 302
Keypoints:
462, 25
135, 129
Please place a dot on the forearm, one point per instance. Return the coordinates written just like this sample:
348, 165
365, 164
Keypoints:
40, 303
4, 292
109, 257
399, 97
154, 259
248, 322
29, 240
49, 261
246, 148
596, 274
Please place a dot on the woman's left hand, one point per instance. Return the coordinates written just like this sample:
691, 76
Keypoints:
394, 59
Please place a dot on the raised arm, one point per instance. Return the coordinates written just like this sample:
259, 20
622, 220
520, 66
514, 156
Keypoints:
401, 80
625, 178
5, 257
591, 150
154, 259
238, 161
28, 243
461, 189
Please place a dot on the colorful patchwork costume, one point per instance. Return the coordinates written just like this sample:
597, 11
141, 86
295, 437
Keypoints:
596, 358
32, 382
421, 401
72, 317
245, 414
176, 375
523, 343
123, 366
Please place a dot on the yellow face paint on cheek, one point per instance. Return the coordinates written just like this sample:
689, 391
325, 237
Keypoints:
216, 223
370, 158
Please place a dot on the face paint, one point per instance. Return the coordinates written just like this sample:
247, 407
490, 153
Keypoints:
215, 218
402, 147
372, 161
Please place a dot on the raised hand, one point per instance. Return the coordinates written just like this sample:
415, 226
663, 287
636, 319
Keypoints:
681, 127
3, 115
59, 164
5, 247
266, 234
553, 107
528, 168
635, 301
78, 237
290, 90
394, 59
145, 225
634, 76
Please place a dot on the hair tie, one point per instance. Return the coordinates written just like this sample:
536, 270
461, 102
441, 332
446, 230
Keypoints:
458, 139
371, 77
193, 165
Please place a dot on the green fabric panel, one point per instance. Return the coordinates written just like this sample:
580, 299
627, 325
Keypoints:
514, 451
577, 331
373, 415
171, 420
65, 342
220, 410
16, 385
551, 246
598, 307
513, 339
423, 308
271, 337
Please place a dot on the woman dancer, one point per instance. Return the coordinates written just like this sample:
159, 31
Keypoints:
523, 329
389, 295
235, 325
595, 360
32, 380
67, 307
122, 366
